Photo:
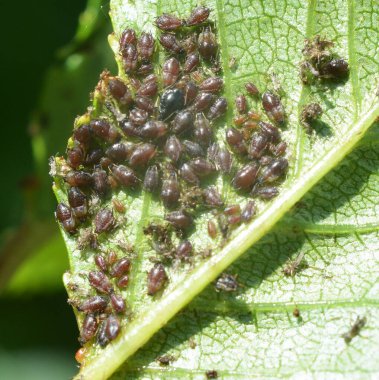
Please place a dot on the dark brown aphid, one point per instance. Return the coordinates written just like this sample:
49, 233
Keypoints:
118, 304
252, 89
123, 281
180, 219
156, 279
226, 283
296, 312
280, 149
218, 108
144, 103
235, 140
120, 91
335, 69
168, 22
212, 84
212, 197
171, 102
294, 266
207, 45
202, 101
190, 92
136, 83
212, 229
355, 329
89, 328
120, 267
145, 69
232, 210
129, 129
270, 131
173, 148
112, 327
138, 116
120, 151
273, 107
153, 129
171, 44
274, 171
82, 134
151, 181
203, 132
184, 250
94, 156
265, 160
165, 359
248, 212
112, 257
258, 145
101, 263
79, 179
212, 374
224, 161
198, 16
128, 36
129, 57
103, 130
101, 184
170, 71
183, 122
187, 173
245, 177
146, 46
124, 175
100, 282
104, 221
191, 63
75, 157
193, 149
241, 103
78, 201
142, 155
170, 192
64, 215
202, 167
310, 113
94, 304
149, 87
266, 192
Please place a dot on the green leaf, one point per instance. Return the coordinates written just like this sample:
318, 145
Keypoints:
253, 333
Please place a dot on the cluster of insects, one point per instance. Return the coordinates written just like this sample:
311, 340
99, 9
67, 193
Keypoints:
154, 129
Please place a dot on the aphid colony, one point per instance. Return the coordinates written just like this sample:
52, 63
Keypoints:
155, 131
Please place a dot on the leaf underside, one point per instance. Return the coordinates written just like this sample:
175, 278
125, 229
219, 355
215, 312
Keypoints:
252, 333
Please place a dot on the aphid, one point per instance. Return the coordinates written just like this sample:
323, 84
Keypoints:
120, 91
136, 83
168, 22
252, 89
202, 132
120, 267
241, 103
294, 266
266, 192
270, 131
173, 148
144, 103
170, 71
103, 130
296, 312
218, 108
235, 140
170, 192
112, 257
274, 171
211, 84
212, 374
202, 101
202, 167
165, 359
310, 113
191, 62
171, 101
78, 201
224, 161
232, 210
118, 304
212, 197
180, 219
190, 92
79, 179
138, 116
207, 45
101, 184
265, 160
212, 229
156, 279
171, 44
280, 149
245, 178
94, 304
187, 173
184, 250
248, 212
198, 16
80, 355
153, 129
232, 64
355, 329
120, 151
273, 107
82, 134
124, 175
183, 122
336, 69
145, 69
142, 155
146, 46
129, 129
104, 221
89, 328
149, 88
112, 327
258, 145
193, 149
151, 181
75, 157
128, 36
226, 283
64, 215
100, 282
101, 263
129, 57
94, 156
123, 281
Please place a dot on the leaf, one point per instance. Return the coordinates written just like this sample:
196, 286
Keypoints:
264, 38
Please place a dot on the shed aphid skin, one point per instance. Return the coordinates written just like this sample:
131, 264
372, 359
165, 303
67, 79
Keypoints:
226, 283
294, 266
309, 114
355, 329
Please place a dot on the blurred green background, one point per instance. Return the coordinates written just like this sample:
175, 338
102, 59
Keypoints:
52, 55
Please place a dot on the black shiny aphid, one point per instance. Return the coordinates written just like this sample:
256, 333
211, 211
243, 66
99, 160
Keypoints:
89, 328
101, 184
274, 171
65, 217
104, 221
183, 122
118, 304
142, 155
191, 62
226, 283
273, 107
258, 145
170, 192
212, 197
218, 108
120, 267
156, 279
171, 101
198, 16
173, 148
146, 46
171, 44
94, 304
212, 84
335, 69
248, 212
168, 22
170, 71
75, 156
207, 45
180, 219
184, 250
100, 282
124, 175
245, 177
187, 173
151, 181
78, 201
